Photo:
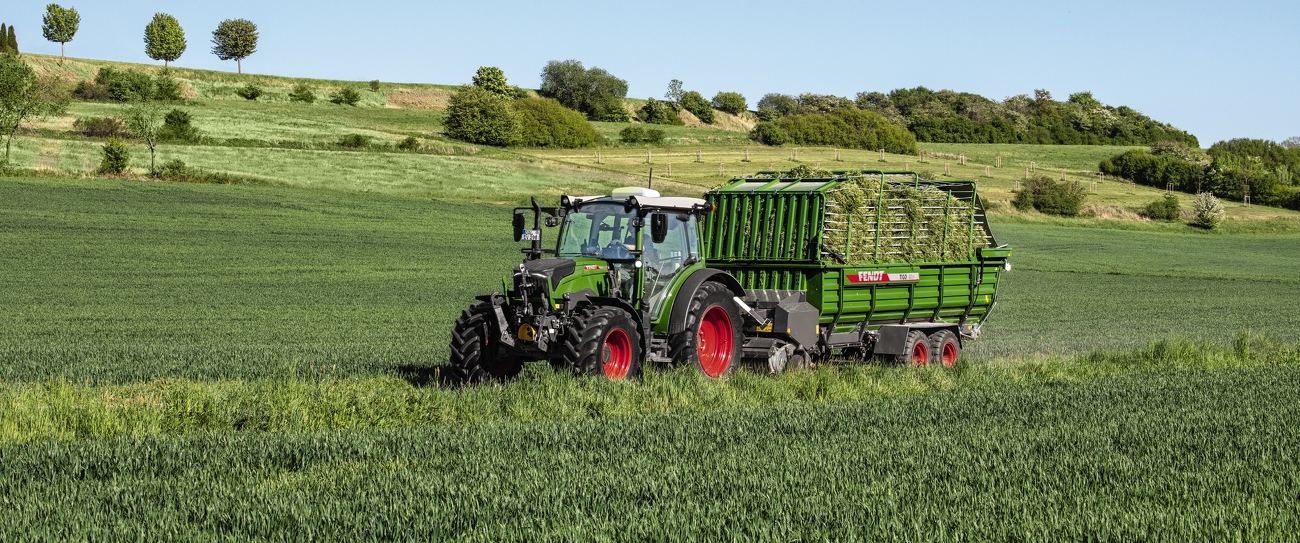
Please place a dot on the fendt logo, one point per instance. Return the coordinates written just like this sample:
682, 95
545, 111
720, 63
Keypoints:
880, 277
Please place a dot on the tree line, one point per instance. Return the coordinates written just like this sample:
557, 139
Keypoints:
1266, 171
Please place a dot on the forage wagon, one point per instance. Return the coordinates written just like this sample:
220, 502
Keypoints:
780, 268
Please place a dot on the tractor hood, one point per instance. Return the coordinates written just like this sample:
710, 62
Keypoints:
555, 269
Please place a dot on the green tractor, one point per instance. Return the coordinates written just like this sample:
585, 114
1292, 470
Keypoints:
759, 270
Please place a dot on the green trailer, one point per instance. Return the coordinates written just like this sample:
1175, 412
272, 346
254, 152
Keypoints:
778, 269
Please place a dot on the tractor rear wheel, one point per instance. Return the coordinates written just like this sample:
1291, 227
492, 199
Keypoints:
712, 338
603, 341
916, 351
474, 347
944, 348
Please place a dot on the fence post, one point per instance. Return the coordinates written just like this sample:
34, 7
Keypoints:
699, 156
670, 169
720, 169
946, 169
987, 173
999, 161
1033, 166
746, 154
837, 155
907, 167
649, 159
1026, 172
882, 155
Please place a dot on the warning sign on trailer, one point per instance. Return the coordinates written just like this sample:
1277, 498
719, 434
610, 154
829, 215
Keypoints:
881, 277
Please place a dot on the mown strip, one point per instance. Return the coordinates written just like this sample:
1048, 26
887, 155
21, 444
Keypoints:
1164, 455
61, 410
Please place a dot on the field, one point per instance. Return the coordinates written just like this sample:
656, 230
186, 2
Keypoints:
262, 360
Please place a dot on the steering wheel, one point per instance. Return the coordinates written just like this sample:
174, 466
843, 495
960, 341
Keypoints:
616, 251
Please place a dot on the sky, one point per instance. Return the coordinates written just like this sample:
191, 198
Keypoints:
1217, 69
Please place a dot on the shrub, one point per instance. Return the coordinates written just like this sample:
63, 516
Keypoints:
695, 103
100, 127
768, 114
88, 90
657, 112
409, 144
1164, 209
249, 92
126, 86
543, 122
177, 126
768, 133
345, 95
302, 93
477, 115
1208, 211
167, 89
492, 79
177, 170
632, 134
594, 92
778, 104
354, 141
374, 85
847, 128
730, 102
173, 170
654, 135
117, 157
1050, 196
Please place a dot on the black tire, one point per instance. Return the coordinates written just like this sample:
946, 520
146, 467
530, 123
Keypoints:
916, 351
474, 348
683, 347
591, 346
945, 348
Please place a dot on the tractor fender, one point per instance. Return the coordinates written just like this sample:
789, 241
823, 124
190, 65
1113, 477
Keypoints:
682, 302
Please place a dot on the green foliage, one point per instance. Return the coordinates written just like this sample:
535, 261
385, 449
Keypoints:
374, 85
847, 128
1050, 196
1207, 211
493, 80
594, 92
24, 97
543, 122
768, 133
12, 47
477, 115
632, 134
1143, 167
695, 103
411, 143
653, 135
776, 105
251, 92
1164, 209
127, 86
235, 39
177, 126
730, 102
164, 39
116, 157
355, 141
60, 24
674, 93
1230, 169
345, 96
657, 112
100, 127
303, 92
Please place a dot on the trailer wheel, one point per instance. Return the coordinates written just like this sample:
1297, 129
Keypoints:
945, 349
916, 352
474, 348
711, 339
603, 341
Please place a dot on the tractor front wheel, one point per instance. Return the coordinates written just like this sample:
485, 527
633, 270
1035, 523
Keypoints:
712, 338
603, 341
474, 348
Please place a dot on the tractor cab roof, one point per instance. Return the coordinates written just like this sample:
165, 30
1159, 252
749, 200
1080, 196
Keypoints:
641, 197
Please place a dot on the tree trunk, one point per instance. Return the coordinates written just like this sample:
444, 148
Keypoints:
240, 63
61, 46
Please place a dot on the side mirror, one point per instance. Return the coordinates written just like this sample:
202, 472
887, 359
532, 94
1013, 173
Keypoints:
658, 227
520, 224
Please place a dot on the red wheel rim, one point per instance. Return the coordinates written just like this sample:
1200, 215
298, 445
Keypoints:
617, 354
949, 354
714, 342
920, 354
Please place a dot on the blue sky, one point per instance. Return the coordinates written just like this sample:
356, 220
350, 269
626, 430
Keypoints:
1219, 69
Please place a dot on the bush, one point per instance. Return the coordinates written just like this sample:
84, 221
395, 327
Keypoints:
595, 92
1207, 210
477, 115
1164, 209
177, 126
409, 144
88, 90
543, 122
632, 134
302, 93
100, 127
374, 85
249, 92
778, 105
345, 95
354, 141
730, 102
848, 128
176, 170
695, 103
1050, 196
768, 133
117, 157
654, 135
657, 112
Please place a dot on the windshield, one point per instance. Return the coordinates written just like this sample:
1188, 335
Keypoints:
600, 231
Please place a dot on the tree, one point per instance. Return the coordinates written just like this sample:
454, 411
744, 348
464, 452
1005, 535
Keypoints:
145, 116
694, 102
674, 93
59, 25
1292, 142
493, 80
595, 92
730, 102
12, 46
477, 115
164, 39
4, 39
24, 97
235, 39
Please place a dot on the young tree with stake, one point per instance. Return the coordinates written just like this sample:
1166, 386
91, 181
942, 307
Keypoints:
144, 117
164, 39
60, 25
235, 39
